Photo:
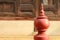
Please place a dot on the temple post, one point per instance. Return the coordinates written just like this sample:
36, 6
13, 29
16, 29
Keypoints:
41, 23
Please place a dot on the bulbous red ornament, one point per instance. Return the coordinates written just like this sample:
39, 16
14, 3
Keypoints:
41, 23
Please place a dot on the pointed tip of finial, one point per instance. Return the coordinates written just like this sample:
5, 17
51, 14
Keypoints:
41, 10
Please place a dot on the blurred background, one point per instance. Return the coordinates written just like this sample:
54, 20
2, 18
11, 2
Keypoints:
17, 18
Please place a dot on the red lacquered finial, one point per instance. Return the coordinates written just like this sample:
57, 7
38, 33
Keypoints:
41, 23
41, 14
41, 10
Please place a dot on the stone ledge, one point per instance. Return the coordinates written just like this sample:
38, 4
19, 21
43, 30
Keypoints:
26, 38
16, 38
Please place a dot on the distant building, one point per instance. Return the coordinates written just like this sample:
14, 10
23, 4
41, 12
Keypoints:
28, 9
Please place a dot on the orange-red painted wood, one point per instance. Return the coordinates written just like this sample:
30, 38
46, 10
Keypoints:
41, 23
